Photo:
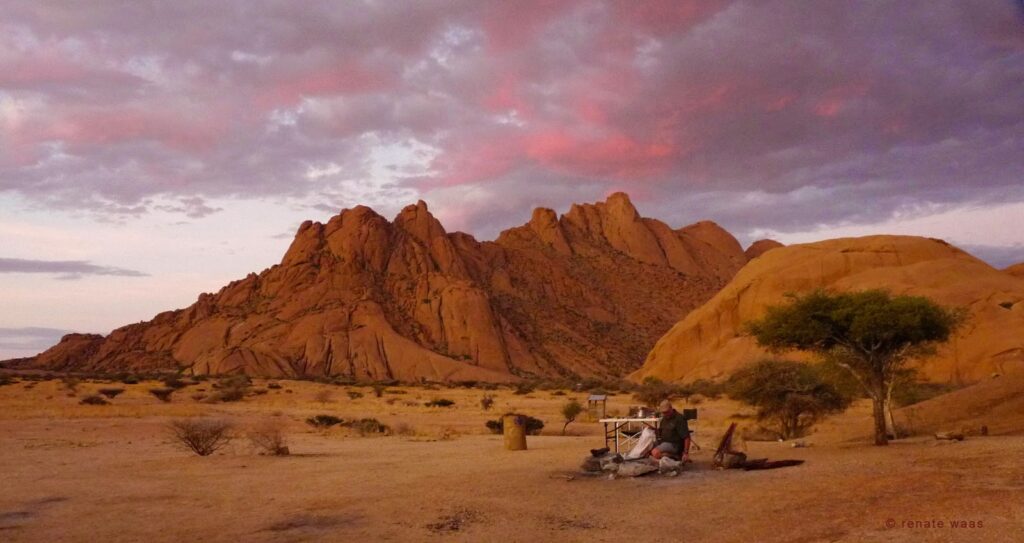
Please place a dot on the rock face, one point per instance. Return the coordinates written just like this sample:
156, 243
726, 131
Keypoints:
760, 247
587, 293
708, 343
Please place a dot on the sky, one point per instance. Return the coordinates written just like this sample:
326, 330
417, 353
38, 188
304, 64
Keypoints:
150, 151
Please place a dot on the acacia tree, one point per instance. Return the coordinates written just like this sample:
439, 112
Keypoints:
870, 333
570, 410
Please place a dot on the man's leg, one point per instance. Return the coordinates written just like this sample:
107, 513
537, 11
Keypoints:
686, 449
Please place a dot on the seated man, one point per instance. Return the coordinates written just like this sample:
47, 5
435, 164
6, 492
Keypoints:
673, 434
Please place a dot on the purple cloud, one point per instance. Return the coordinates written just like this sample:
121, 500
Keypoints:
777, 115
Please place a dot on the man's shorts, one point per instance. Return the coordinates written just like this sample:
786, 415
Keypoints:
667, 448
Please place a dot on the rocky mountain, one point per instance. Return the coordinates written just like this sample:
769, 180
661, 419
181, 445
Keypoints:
587, 293
1016, 270
708, 342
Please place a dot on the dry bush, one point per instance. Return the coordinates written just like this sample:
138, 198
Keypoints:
71, 384
367, 426
440, 402
524, 387
323, 396
268, 436
403, 429
174, 382
354, 395
162, 394
273, 386
111, 392
378, 390
323, 421
94, 399
487, 402
198, 396
201, 436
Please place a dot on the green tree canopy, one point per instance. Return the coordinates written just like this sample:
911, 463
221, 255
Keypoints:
871, 333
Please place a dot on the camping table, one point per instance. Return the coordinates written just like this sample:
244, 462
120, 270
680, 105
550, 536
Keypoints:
624, 432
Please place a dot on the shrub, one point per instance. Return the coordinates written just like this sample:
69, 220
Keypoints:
6, 380
228, 395
523, 387
703, 387
533, 425
440, 402
174, 382
323, 396
570, 410
273, 386
130, 380
269, 437
653, 390
378, 390
71, 383
111, 392
94, 399
323, 421
403, 429
789, 396
258, 391
201, 436
162, 394
487, 402
198, 396
367, 426
558, 393
354, 394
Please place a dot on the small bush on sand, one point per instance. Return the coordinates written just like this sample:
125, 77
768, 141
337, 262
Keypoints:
130, 380
487, 402
274, 386
111, 392
323, 421
533, 425
570, 410
440, 402
789, 396
6, 380
367, 426
558, 393
268, 437
94, 399
403, 429
201, 436
354, 395
162, 394
522, 388
378, 390
71, 383
198, 396
174, 382
323, 396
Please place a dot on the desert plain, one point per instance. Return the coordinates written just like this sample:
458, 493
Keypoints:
112, 473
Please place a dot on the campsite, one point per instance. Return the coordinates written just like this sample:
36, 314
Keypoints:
112, 473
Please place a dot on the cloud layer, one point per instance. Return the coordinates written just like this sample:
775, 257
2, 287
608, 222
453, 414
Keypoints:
778, 115
66, 269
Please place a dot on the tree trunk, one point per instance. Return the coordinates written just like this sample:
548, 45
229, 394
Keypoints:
890, 420
878, 409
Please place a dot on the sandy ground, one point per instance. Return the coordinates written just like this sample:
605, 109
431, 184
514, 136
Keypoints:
111, 474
